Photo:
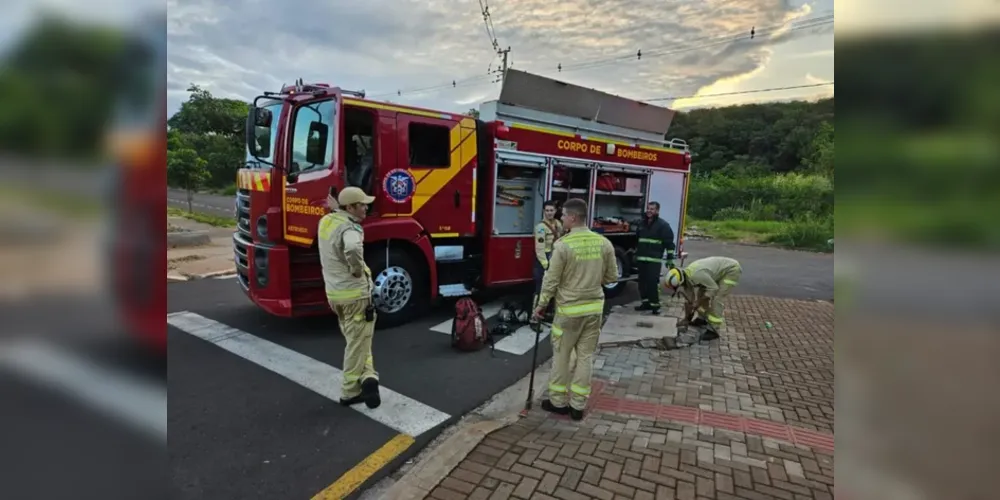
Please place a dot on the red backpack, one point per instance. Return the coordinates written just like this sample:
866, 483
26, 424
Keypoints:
469, 331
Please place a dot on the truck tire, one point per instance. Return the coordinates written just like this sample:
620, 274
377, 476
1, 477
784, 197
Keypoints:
400, 289
612, 291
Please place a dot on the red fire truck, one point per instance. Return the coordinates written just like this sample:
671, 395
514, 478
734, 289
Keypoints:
457, 198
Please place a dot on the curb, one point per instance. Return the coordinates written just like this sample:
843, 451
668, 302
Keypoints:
178, 277
188, 239
216, 274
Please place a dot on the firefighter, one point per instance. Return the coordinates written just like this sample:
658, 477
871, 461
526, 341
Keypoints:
705, 284
546, 234
348, 289
656, 244
582, 262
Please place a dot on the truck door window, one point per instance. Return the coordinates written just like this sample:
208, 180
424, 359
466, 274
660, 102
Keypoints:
305, 136
359, 153
430, 146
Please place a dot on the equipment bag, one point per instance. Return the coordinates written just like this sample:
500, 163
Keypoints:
610, 182
469, 331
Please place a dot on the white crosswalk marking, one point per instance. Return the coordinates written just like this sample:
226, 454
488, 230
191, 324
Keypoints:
522, 340
397, 411
517, 343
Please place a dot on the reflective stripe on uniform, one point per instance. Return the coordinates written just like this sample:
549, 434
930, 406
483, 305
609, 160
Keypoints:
579, 389
649, 259
556, 332
729, 282
584, 309
650, 240
350, 377
714, 319
557, 388
341, 295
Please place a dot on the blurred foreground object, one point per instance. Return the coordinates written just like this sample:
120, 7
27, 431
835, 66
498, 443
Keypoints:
138, 143
84, 410
918, 195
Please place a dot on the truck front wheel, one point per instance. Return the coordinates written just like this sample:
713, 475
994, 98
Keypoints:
614, 290
399, 292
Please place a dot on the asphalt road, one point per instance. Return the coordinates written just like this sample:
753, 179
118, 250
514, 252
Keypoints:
211, 204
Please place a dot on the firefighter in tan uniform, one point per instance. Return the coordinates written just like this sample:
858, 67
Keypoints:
349, 288
546, 234
705, 284
582, 262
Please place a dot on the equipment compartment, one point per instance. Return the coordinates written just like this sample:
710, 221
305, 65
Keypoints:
619, 200
518, 200
570, 182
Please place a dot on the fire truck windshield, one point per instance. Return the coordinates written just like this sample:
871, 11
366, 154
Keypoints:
263, 134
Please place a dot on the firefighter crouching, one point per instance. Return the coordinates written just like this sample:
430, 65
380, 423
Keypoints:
582, 262
705, 284
546, 234
349, 286
656, 241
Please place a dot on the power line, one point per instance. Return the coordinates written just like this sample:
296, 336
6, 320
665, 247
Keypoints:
739, 92
704, 44
701, 43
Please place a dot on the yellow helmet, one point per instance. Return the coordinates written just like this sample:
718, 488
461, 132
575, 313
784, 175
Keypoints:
673, 279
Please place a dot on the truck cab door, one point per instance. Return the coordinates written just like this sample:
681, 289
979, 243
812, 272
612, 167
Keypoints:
438, 156
313, 166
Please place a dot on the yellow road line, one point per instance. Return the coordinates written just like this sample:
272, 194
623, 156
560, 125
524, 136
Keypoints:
365, 469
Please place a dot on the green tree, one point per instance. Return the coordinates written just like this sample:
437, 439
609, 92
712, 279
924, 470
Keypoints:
473, 112
820, 158
203, 113
187, 170
212, 127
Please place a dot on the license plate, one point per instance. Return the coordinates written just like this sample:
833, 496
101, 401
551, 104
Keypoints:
507, 145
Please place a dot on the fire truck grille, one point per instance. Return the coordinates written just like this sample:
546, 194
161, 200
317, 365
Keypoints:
243, 212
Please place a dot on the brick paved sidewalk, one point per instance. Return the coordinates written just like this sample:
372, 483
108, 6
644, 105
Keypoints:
750, 416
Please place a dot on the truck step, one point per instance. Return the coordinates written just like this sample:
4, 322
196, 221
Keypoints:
455, 290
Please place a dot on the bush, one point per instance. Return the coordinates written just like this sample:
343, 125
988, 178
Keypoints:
807, 233
731, 213
772, 197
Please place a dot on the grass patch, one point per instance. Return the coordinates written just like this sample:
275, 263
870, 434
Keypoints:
203, 218
809, 234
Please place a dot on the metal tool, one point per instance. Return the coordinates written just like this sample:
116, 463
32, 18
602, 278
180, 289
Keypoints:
536, 325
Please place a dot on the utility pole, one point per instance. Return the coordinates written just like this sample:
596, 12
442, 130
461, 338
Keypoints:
503, 54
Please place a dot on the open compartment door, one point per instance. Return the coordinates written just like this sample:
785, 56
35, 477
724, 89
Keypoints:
668, 188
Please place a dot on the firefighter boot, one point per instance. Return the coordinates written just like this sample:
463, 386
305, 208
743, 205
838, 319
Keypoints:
549, 407
369, 393
352, 401
575, 414
644, 306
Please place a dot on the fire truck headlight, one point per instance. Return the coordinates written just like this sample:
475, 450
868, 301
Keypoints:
262, 227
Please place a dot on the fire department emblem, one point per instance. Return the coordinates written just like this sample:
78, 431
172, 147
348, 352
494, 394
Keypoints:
399, 185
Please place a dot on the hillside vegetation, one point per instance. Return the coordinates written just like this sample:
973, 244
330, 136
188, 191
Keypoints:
762, 173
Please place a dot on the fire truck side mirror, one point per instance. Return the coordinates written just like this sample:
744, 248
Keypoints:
316, 144
258, 132
262, 117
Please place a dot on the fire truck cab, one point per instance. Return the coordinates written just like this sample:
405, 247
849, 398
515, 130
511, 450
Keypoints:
457, 198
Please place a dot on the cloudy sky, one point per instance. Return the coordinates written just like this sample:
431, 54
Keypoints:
238, 48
